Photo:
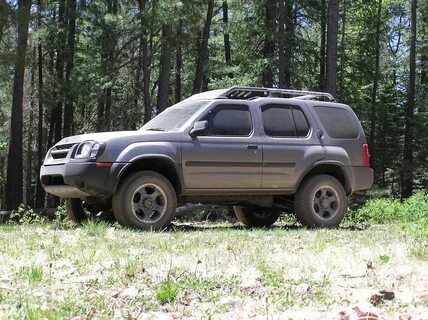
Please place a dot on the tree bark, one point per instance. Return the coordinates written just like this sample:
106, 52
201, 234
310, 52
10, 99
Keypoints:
342, 50
281, 44
40, 192
269, 43
146, 77
332, 26
4, 17
14, 180
58, 111
29, 196
165, 69
226, 36
289, 40
323, 25
178, 66
69, 99
202, 58
375, 85
407, 175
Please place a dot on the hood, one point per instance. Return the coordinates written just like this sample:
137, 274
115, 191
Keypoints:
122, 137
99, 137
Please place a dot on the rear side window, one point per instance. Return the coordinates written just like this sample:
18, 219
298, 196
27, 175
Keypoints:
229, 120
339, 123
284, 121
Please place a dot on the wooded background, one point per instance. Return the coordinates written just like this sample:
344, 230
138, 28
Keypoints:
69, 67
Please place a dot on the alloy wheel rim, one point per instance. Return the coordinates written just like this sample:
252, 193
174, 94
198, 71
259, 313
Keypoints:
149, 203
326, 202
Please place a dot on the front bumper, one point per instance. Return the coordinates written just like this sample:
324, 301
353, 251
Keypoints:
80, 179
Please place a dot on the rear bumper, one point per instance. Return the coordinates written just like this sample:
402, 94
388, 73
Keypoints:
363, 178
80, 179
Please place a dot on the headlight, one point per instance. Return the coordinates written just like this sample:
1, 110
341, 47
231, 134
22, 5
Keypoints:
87, 149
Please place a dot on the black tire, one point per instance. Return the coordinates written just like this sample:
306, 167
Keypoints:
75, 210
320, 201
145, 200
256, 216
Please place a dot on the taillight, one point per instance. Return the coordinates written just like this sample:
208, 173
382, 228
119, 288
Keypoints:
366, 155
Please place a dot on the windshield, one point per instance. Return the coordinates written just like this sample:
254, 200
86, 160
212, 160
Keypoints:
175, 116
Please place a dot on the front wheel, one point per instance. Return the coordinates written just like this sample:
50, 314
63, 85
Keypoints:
256, 216
321, 201
145, 200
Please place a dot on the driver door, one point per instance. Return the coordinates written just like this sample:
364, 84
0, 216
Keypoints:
227, 155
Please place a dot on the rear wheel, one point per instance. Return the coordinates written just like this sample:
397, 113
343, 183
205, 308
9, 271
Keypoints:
75, 210
321, 201
256, 216
145, 200
78, 211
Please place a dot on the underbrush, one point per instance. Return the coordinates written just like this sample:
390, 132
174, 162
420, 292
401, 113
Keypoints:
411, 213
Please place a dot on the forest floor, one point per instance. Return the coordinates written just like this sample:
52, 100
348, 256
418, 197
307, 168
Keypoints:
208, 271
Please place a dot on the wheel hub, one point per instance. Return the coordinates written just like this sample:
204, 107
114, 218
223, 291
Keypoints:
148, 203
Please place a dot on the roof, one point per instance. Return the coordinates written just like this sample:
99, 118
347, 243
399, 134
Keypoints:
247, 93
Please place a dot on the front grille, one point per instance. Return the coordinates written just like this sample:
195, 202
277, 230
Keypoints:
61, 151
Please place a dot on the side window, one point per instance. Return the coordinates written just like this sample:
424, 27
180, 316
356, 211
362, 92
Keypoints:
229, 120
284, 121
338, 122
302, 126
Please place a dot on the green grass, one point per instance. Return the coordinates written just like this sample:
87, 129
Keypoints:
53, 271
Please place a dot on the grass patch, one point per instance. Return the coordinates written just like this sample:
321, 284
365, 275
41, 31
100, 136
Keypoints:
167, 291
95, 228
31, 274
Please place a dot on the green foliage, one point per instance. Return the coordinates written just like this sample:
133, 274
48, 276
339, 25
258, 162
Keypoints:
167, 291
95, 228
412, 214
31, 274
25, 215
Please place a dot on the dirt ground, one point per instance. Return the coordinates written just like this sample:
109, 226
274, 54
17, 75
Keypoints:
209, 271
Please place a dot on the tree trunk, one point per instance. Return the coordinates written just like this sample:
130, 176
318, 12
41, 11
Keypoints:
269, 43
40, 192
165, 69
342, 50
4, 16
29, 197
407, 187
226, 36
322, 45
178, 66
289, 40
424, 45
281, 44
375, 85
202, 58
14, 164
146, 80
69, 99
333, 17
58, 111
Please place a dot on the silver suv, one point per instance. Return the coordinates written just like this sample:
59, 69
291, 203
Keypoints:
263, 151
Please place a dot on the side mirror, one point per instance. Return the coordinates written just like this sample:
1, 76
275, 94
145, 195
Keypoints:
198, 128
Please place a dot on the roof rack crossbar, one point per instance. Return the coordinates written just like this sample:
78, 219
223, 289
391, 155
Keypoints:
251, 92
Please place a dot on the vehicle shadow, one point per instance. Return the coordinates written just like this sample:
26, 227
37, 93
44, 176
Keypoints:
202, 226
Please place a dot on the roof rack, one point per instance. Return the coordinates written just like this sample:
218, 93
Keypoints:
247, 93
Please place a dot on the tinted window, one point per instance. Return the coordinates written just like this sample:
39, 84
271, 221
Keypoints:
302, 126
229, 120
284, 121
339, 123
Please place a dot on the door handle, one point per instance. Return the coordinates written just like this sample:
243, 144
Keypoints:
252, 147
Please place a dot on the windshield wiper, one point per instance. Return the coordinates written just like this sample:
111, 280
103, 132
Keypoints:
156, 129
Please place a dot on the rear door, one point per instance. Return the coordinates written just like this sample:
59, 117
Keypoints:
228, 155
290, 143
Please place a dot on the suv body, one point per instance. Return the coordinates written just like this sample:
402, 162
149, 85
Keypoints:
254, 148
